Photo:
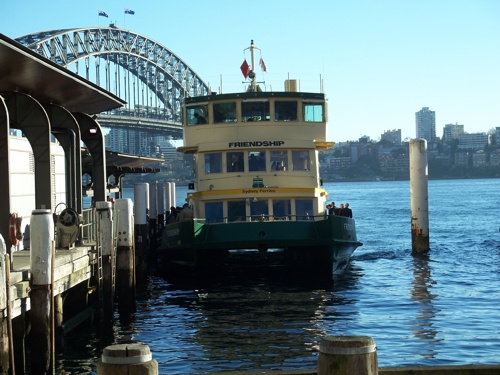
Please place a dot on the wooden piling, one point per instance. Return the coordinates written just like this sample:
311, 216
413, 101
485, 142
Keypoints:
125, 359
41, 238
347, 355
104, 216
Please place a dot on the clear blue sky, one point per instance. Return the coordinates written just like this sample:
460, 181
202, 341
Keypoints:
381, 61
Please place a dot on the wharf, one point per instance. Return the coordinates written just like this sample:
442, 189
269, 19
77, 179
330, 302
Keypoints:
71, 267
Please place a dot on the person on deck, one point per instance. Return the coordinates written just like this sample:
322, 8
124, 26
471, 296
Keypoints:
200, 119
347, 210
185, 214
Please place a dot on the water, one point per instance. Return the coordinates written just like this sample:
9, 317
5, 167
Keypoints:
436, 309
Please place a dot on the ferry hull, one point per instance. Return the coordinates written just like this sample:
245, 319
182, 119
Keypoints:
327, 243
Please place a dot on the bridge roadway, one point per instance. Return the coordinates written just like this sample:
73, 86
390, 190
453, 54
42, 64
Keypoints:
146, 124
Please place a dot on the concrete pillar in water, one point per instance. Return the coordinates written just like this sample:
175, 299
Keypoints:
125, 359
153, 234
41, 238
419, 196
104, 218
168, 196
173, 198
347, 355
160, 193
125, 260
141, 201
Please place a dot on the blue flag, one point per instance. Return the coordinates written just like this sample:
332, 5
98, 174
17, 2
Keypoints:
128, 11
101, 13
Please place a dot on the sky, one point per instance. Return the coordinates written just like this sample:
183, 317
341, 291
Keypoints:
379, 61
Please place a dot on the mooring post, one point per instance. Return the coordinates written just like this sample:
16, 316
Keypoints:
419, 196
160, 193
153, 212
41, 239
347, 355
125, 273
104, 218
125, 359
141, 201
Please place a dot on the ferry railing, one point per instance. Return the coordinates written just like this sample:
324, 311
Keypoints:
266, 218
89, 232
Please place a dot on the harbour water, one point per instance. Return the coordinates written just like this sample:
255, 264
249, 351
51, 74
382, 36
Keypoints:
436, 309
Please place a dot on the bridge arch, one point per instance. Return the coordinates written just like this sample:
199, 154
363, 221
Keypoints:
147, 75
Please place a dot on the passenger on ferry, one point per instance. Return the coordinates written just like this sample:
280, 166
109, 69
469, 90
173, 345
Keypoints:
185, 214
200, 119
253, 163
334, 210
341, 210
347, 211
172, 216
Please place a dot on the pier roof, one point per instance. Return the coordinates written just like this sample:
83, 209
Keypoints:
124, 163
24, 70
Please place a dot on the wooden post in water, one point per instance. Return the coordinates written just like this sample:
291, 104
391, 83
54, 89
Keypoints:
419, 196
141, 201
347, 355
41, 239
104, 217
125, 359
125, 260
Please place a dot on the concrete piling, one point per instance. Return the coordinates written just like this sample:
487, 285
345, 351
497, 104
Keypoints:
41, 247
419, 196
347, 355
125, 259
125, 359
153, 213
141, 241
160, 192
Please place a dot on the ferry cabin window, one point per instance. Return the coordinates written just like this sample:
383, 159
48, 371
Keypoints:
236, 211
313, 112
285, 111
255, 111
235, 162
279, 161
300, 160
213, 163
259, 211
304, 209
224, 112
197, 115
282, 209
256, 161
214, 212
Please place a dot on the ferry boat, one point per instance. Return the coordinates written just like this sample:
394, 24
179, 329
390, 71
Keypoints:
257, 185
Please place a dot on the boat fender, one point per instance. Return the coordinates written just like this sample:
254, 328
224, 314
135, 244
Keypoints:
15, 234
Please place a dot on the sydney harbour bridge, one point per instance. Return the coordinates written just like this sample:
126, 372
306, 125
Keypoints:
147, 75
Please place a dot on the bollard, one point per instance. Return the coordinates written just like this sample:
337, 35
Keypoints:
125, 359
419, 196
41, 239
347, 355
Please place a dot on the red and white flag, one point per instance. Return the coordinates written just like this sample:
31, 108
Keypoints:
245, 69
262, 65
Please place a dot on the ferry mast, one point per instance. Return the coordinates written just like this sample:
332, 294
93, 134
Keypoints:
253, 84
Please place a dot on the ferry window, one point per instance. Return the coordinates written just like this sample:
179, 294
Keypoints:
256, 161
313, 112
279, 160
259, 211
255, 111
304, 209
213, 163
224, 112
282, 209
300, 160
236, 211
214, 212
197, 115
285, 111
234, 162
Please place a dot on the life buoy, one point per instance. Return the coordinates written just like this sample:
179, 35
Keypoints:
13, 229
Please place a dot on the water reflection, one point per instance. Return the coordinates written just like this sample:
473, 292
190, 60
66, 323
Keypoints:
422, 326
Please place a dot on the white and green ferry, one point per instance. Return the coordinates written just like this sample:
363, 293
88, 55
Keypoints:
257, 185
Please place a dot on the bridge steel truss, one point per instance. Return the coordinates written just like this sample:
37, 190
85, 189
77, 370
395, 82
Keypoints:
155, 80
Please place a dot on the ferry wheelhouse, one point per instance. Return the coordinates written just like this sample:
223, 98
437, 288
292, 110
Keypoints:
257, 183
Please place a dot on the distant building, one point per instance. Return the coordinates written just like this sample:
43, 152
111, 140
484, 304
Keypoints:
393, 136
425, 123
462, 159
340, 163
495, 157
451, 132
474, 141
479, 159
497, 135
